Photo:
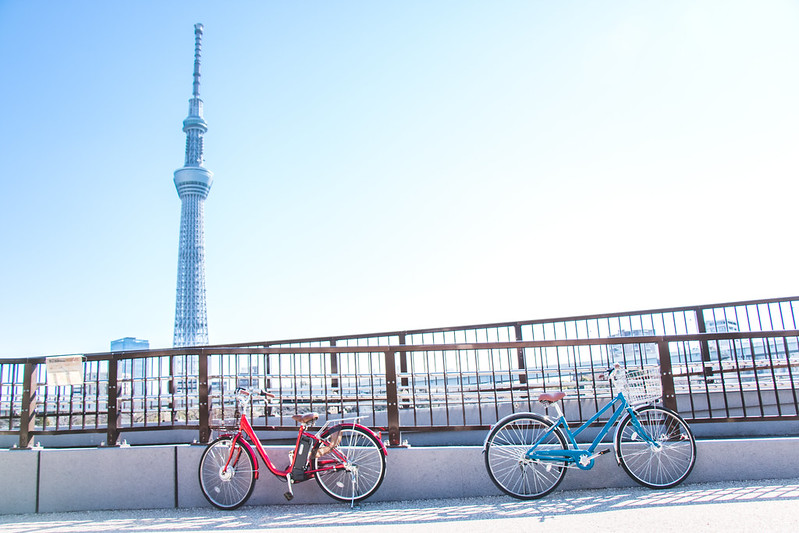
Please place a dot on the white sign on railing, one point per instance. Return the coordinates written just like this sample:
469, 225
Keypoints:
66, 370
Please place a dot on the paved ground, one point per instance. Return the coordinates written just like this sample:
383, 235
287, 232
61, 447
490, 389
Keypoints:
730, 506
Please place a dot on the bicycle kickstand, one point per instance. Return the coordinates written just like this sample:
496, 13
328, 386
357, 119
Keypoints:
290, 494
354, 475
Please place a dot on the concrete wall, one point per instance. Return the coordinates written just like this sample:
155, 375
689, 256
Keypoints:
166, 476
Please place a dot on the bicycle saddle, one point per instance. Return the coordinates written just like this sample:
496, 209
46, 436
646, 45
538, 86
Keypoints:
306, 418
551, 397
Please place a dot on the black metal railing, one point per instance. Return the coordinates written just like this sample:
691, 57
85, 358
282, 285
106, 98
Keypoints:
718, 363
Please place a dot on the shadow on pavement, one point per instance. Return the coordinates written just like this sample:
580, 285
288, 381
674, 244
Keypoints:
265, 518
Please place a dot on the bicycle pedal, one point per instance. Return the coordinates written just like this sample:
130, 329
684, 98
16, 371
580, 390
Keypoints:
289, 496
603, 452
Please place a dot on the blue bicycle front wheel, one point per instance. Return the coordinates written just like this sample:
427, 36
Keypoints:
660, 451
506, 456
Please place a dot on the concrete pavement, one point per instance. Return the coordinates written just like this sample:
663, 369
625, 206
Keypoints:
770, 505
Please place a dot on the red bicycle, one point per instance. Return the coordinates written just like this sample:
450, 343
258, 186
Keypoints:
347, 459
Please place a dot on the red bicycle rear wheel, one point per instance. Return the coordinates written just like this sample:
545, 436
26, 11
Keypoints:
354, 469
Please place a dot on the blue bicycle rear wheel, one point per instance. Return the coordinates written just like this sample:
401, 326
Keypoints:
505, 456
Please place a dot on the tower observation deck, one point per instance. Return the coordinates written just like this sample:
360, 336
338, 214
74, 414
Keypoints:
193, 182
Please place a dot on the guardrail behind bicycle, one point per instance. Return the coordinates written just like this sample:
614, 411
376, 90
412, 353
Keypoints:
432, 380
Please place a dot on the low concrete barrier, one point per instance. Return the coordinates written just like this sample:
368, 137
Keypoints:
138, 477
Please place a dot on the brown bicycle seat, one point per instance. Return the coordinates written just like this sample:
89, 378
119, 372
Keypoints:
305, 418
551, 397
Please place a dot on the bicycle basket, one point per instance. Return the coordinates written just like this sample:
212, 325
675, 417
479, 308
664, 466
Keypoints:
639, 385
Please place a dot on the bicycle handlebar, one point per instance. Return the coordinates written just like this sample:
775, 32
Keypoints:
246, 392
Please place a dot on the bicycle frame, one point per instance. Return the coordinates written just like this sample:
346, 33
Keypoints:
246, 429
583, 458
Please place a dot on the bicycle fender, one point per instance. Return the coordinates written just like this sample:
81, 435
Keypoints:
364, 428
248, 448
619, 423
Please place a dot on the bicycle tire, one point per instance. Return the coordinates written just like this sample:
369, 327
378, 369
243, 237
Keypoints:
227, 489
506, 446
656, 467
361, 464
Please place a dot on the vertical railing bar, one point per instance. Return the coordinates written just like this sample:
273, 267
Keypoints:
773, 374
357, 359
296, 384
517, 335
323, 375
757, 382
3, 374
737, 362
310, 383
707, 364
429, 385
446, 385
704, 348
740, 378
527, 386
413, 387
511, 383
461, 384
577, 384
790, 374
96, 388
145, 399
686, 348
372, 383
770, 316
723, 375
593, 377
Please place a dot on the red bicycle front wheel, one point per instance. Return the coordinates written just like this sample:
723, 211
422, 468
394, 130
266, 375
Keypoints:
227, 474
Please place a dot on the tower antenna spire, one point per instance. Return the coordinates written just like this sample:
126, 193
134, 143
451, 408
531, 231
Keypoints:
198, 45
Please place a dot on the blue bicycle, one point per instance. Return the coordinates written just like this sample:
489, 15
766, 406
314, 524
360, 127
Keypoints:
527, 454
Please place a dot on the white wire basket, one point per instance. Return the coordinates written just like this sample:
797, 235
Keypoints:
639, 385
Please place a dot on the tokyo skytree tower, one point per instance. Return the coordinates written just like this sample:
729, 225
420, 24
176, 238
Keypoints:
193, 183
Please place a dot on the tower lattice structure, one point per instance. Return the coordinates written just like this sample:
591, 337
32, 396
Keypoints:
193, 182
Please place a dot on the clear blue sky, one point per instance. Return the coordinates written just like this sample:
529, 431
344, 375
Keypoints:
393, 165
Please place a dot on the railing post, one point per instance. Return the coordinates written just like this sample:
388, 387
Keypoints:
27, 417
704, 349
112, 431
391, 399
202, 389
334, 366
667, 375
403, 362
517, 332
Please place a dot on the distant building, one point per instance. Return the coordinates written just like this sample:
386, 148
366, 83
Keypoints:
633, 350
133, 374
720, 326
129, 343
